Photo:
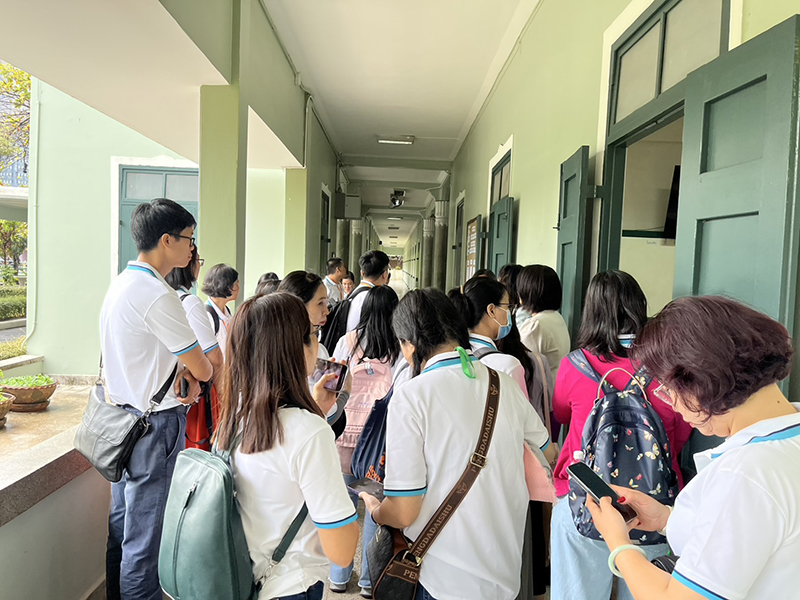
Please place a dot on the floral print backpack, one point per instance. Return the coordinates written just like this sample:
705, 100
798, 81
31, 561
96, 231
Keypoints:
625, 443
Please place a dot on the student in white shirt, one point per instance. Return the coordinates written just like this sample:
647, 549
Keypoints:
374, 271
485, 306
736, 526
333, 281
182, 279
348, 283
221, 285
433, 424
287, 456
144, 338
539, 290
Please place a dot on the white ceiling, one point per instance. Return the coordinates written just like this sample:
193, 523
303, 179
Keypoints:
417, 67
375, 203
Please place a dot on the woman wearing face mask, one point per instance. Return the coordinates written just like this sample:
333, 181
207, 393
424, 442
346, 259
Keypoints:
485, 306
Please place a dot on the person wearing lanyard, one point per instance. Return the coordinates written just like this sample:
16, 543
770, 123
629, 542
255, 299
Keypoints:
485, 305
221, 285
432, 425
333, 281
374, 271
735, 527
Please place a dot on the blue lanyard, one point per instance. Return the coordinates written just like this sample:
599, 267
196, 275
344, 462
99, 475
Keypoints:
475, 340
138, 268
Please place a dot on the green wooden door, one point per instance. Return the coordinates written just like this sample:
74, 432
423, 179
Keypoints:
501, 240
573, 237
737, 223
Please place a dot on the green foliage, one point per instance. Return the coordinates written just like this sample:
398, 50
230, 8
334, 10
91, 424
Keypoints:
12, 349
27, 381
13, 290
15, 114
13, 242
13, 307
8, 276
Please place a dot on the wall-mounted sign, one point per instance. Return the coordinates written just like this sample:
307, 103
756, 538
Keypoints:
474, 246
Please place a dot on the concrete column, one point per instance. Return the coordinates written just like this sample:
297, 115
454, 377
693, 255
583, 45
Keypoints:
223, 177
428, 227
356, 244
343, 240
440, 244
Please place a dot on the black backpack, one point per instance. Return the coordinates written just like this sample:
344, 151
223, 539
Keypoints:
625, 443
214, 317
336, 325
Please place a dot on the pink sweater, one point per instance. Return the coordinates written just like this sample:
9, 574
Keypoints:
573, 400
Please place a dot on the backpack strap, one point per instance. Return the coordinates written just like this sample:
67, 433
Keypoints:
542, 372
580, 361
484, 351
214, 317
184, 297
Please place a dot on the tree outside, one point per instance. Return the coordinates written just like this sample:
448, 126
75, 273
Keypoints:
13, 242
15, 115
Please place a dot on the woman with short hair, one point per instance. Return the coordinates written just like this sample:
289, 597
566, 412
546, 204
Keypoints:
433, 424
613, 316
286, 457
736, 525
221, 285
545, 331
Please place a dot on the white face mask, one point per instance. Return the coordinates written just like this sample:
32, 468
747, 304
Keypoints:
626, 340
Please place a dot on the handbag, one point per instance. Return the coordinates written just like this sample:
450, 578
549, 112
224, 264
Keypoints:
394, 563
108, 433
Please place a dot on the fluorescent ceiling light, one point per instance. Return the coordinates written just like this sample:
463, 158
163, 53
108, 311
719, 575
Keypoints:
392, 237
402, 140
394, 218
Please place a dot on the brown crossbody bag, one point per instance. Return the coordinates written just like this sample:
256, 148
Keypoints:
394, 563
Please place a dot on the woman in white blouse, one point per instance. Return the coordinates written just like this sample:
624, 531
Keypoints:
539, 290
736, 526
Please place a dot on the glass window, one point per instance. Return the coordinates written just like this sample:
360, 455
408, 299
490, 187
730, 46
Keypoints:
692, 38
505, 178
183, 188
495, 187
144, 186
638, 70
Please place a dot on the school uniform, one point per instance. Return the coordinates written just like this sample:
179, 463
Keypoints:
736, 525
271, 488
546, 333
433, 424
143, 333
224, 324
335, 293
354, 316
502, 363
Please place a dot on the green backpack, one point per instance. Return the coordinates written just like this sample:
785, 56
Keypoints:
203, 550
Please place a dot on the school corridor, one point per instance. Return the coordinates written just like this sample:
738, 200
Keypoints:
657, 137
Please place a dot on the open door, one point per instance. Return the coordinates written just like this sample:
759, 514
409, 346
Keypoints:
501, 239
573, 237
737, 226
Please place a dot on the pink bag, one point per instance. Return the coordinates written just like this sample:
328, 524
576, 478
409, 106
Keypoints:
538, 478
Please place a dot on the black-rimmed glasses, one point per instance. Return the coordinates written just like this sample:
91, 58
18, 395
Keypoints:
186, 237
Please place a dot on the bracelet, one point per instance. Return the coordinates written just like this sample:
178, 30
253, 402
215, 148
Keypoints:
664, 530
613, 556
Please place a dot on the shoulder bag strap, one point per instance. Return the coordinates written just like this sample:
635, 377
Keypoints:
165, 388
289, 536
545, 390
476, 462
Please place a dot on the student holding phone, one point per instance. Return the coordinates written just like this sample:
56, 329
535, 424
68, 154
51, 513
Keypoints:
286, 456
736, 525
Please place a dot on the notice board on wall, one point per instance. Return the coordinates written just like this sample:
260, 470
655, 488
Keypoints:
474, 247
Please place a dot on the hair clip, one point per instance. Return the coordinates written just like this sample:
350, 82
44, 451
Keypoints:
466, 362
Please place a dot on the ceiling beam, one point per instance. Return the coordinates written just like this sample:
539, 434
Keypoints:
350, 160
408, 185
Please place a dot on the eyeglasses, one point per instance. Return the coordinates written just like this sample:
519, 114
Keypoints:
201, 261
664, 394
508, 306
186, 237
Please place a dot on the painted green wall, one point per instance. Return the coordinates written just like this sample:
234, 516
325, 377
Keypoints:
296, 200
70, 224
412, 258
266, 225
321, 169
210, 27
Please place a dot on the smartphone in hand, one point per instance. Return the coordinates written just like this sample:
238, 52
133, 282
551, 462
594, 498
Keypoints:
372, 487
184, 387
591, 483
326, 366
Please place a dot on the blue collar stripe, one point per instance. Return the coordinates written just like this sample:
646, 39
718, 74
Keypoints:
783, 434
704, 592
138, 268
450, 362
482, 342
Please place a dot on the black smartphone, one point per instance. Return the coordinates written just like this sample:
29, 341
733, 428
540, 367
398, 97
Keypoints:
590, 482
184, 388
372, 487
326, 366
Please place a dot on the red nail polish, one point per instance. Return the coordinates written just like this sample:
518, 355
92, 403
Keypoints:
621, 499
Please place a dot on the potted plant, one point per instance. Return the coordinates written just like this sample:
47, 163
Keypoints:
31, 392
6, 401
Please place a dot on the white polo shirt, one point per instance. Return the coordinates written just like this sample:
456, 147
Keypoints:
354, 316
143, 329
503, 363
271, 487
433, 425
224, 322
334, 290
736, 525
198, 319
